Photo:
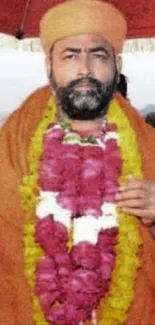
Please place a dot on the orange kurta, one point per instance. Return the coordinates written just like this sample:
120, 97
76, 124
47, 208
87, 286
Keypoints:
15, 135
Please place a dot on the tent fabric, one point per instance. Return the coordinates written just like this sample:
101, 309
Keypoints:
16, 13
32, 44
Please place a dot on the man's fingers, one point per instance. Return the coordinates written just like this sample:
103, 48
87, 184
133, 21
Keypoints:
133, 203
137, 199
130, 194
134, 184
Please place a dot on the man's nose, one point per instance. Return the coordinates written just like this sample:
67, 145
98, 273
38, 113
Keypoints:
85, 66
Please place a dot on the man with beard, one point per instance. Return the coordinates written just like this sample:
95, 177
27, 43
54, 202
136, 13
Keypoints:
71, 128
83, 95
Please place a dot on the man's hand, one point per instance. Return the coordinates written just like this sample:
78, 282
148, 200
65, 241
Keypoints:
138, 198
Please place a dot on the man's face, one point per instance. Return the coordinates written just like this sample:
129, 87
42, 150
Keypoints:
83, 75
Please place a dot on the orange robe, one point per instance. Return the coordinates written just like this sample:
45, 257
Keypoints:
15, 135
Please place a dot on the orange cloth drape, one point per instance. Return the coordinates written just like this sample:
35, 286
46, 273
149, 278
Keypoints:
15, 135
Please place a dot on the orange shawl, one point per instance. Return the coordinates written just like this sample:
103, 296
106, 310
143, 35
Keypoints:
15, 135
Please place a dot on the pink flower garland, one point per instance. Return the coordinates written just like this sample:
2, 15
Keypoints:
70, 284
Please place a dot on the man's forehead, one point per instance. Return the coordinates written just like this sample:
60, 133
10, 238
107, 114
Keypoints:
83, 42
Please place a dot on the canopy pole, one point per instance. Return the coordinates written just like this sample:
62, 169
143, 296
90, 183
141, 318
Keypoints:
20, 31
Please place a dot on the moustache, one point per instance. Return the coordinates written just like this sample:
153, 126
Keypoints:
89, 81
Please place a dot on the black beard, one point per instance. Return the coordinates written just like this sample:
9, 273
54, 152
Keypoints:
88, 104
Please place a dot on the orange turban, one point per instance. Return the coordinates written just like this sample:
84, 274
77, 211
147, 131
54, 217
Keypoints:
75, 17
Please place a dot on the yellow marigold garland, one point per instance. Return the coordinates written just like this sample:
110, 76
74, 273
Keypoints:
113, 308
28, 190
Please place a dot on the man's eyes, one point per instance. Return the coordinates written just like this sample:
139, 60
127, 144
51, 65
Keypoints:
69, 56
101, 56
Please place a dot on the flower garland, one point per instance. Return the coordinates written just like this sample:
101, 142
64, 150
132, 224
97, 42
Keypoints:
29, 189
78, 178
112, 310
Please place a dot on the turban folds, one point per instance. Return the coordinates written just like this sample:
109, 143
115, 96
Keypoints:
75, 17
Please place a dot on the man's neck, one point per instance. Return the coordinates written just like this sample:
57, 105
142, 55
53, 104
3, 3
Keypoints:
89, 127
